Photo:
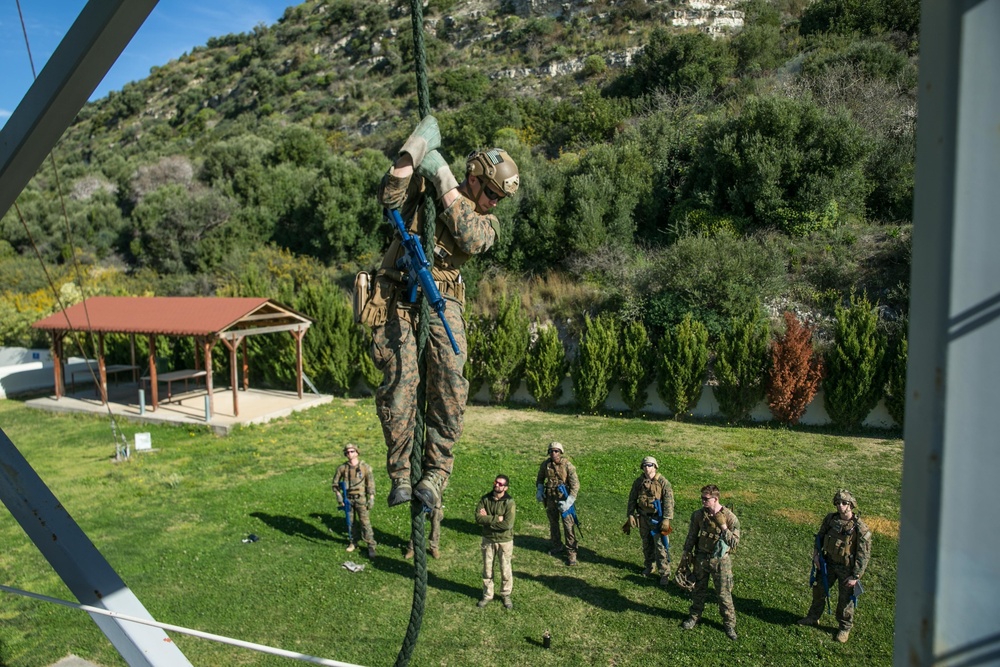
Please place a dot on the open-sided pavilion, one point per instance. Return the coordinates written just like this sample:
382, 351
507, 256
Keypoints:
208, 320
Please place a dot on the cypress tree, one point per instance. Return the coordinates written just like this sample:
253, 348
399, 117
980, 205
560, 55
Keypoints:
855, 377
796, 371
741, 366
507, 346
594, 370
545, 367
895, 382
634, 373
682, 361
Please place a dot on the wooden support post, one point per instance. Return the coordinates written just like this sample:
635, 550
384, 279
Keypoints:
135, 369
57, 369
297, 335
153, 382
246, 365
233, 373
102, 369
207, 344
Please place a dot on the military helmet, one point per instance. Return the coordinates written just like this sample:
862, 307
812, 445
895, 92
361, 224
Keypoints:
556, 447
495, 167
843, 495
351, 445
650, 460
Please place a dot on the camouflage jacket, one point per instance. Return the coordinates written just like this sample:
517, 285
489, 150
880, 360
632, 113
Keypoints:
645, 491
704, 532
495, 529
459, 231
551, 475
360, 481
846, 543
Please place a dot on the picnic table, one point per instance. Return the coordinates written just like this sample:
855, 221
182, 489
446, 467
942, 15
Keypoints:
175, 376
109, 371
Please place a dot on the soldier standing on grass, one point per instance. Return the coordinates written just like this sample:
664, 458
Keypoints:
464, 227
495, 513
556, 471
651, 509
361, 492
434, 541
846, 545
713, 533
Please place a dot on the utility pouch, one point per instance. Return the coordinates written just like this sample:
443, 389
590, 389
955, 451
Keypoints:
362, 292
375, 310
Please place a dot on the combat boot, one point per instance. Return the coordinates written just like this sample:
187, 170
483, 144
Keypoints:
371, 551
648, 571
808, 620
731, 632
842, 636
507, 604
556, 551
350, 547
572, 559
400, 492
428, 489
665, 579
433, 551
409, 553
482, 603
690, 623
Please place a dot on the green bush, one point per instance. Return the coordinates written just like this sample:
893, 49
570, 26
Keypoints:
476, 333
594, 370
895, 381
677, 63
545, 367
634, 372
855, 376
329, 347
506, 348
681, 360
370, 373
741, 367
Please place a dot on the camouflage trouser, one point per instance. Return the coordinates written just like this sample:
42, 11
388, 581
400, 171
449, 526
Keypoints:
837, 576
361, 524
434, 539
394, 350
721, 571
501, 551
652, 547
569, 528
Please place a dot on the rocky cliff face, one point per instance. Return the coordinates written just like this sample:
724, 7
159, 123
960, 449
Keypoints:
715, 18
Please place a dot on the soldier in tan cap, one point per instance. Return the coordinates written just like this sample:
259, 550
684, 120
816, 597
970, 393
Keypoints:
651, 509
845, 543
360, 485
556, 471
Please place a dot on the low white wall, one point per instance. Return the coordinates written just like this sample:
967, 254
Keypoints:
24, 371
815, 414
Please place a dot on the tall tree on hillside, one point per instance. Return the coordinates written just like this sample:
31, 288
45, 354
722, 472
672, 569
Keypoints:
855, 377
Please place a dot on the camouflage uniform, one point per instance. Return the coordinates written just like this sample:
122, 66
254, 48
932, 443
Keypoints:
498, 542
460, 232
641, 503
360, 491
705, 538
847, 547
550, 476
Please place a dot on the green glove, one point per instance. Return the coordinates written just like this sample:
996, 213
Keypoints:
425, 137
436, 170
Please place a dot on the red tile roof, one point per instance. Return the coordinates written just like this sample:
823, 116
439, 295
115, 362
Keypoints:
167, 315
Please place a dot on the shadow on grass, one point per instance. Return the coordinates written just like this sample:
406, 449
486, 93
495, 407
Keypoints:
602, 597
754, 607
337, 525
461, 526
294, 526
404, 568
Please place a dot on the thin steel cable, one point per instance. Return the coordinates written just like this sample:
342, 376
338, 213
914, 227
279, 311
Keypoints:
121, 444
182, 630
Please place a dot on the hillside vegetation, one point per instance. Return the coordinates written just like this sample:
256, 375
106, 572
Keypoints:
664, 171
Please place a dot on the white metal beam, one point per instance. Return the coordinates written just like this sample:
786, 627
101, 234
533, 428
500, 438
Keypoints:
83, 58
947, 606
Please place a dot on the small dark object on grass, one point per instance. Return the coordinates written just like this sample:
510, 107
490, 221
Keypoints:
546, 640
250, 538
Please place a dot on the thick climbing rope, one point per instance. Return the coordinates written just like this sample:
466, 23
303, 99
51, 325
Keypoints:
417, 515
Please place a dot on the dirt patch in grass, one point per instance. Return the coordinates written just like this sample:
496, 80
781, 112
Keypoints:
886, 527
800, 517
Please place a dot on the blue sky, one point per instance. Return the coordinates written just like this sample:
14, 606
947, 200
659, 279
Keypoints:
173, 28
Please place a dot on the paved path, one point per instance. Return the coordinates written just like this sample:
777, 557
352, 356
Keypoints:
73, 661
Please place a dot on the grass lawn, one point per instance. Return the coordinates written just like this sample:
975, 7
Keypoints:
171, 523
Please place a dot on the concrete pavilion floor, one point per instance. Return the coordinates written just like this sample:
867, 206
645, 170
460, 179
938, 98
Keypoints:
185, 407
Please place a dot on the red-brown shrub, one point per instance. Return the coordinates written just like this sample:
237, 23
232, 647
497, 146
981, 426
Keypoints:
796, 371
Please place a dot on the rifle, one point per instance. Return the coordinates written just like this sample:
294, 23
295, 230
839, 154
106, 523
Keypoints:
347, 510
572, 508
856, 593
418, 273
657, 522
822, 572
